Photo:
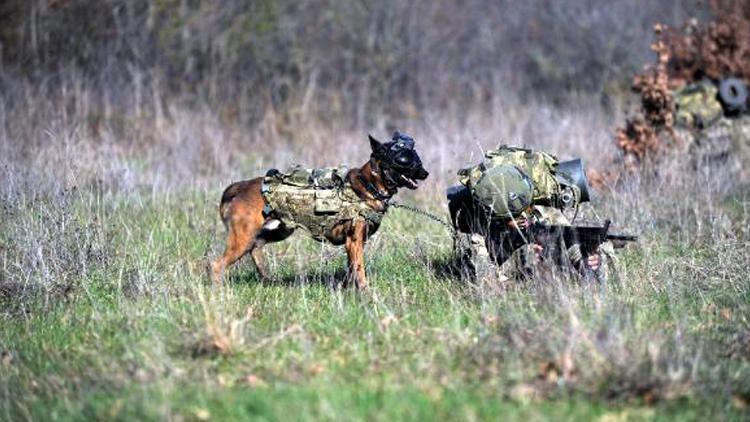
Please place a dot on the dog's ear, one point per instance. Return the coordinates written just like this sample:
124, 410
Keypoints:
377, 147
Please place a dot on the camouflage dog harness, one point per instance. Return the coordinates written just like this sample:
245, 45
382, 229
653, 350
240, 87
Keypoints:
314, 199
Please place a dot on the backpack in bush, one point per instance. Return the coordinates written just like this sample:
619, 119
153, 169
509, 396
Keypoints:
697, 105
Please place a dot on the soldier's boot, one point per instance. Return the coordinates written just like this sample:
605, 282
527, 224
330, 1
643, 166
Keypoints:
484, 267
472, 256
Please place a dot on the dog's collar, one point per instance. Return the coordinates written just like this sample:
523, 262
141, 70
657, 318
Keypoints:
373, 190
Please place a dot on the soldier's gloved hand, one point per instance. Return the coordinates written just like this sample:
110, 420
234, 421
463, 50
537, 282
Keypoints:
594, 261
520, 223
538, 250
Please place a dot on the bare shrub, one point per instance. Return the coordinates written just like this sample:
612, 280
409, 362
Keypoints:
637, 139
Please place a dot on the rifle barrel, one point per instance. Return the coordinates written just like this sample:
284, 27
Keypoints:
622, 237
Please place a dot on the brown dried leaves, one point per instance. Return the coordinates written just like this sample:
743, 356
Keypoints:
685, 55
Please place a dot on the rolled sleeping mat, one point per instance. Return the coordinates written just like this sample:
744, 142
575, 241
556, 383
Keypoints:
733, 95
575, 172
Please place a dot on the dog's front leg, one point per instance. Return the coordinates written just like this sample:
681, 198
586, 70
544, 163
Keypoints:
355, 250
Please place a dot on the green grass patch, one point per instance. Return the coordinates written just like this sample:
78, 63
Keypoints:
141, 334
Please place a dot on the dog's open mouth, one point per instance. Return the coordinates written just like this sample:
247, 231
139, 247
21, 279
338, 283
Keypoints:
410, 183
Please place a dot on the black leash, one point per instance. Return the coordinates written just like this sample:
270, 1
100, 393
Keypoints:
431, 216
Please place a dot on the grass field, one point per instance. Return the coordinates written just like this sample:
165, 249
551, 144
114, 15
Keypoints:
106, 311
127, 327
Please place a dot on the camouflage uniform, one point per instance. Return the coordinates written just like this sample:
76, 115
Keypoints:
723, 140
315, 199
523, 260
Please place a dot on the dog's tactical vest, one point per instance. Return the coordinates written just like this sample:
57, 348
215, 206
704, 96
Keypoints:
314, 199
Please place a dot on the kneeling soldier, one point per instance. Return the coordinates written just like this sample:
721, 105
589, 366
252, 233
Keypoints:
511, 210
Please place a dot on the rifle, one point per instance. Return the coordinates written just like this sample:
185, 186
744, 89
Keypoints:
588, 237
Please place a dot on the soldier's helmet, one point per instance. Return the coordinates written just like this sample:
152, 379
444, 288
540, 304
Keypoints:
505, 190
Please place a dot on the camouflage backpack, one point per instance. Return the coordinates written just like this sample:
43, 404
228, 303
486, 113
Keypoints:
511, 179
697, 105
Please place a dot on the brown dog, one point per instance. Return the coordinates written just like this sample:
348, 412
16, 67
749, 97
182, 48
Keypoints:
251, 225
